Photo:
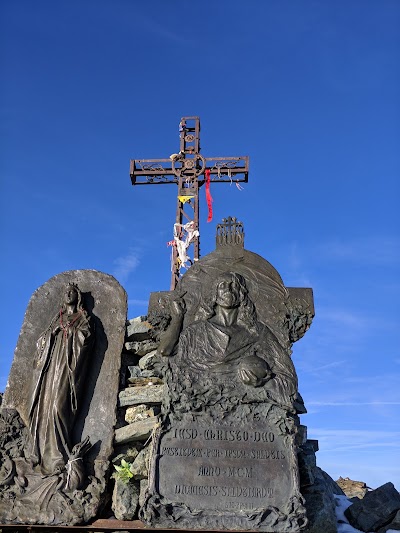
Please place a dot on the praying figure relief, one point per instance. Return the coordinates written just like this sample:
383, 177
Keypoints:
62, 355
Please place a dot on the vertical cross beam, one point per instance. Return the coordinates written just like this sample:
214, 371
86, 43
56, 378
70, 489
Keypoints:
189, 170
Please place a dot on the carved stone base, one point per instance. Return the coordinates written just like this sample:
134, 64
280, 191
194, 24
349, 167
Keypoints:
28, 497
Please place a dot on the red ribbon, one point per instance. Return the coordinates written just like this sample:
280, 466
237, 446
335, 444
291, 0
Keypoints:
208, 195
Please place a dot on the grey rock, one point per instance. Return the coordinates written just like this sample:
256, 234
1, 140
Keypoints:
394, 524
127, 452
307, 463
375, 510
141, 348
134, 371
320, 504
147, 362
147, 374
333, 487
301, 437
144, 381
144, 483
138, 329
150, 394
125, 499
138, 412
138, 431
140, 467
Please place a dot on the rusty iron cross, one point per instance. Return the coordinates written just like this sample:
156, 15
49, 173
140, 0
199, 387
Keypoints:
190, 171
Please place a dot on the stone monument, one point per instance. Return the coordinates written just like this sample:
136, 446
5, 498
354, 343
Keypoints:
225, 452
59, 410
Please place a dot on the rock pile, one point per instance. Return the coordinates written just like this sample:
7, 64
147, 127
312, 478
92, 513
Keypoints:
140, 397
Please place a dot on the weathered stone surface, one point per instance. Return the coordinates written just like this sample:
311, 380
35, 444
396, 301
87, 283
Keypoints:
138, 431
394, 524
147, 362
138, 412
375, 510
320, 503
150, 394
332, 486
141, 348
140, 467
125, 499
216, 467
306, 469
144, 381
105, 302
138, 329
301, 436
134, 371
353, 489
148, 373
124, 451
144, 483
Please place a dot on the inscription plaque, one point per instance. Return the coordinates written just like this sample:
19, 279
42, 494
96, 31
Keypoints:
202, 466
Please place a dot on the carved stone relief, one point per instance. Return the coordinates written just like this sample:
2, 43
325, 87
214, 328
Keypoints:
224, 455
59, 410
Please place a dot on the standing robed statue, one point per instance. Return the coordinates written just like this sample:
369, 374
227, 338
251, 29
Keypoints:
62, 354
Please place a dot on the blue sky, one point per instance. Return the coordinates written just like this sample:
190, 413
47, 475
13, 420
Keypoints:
308, 89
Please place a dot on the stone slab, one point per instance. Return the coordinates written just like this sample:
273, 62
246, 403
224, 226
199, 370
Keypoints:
209, 475
219, 468
375, 510
106, 303
150, 394
137, 431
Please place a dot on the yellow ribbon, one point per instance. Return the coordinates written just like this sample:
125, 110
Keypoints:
184, 199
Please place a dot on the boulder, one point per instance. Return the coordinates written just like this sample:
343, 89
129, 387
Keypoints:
377, 509
394, 524
320, 503
353, 489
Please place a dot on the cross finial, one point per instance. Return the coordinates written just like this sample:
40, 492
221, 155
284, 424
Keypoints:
230, 232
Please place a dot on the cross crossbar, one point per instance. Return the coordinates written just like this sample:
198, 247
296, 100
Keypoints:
189, 170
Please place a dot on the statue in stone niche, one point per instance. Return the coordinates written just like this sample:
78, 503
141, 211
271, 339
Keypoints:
226, 341
62, 354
